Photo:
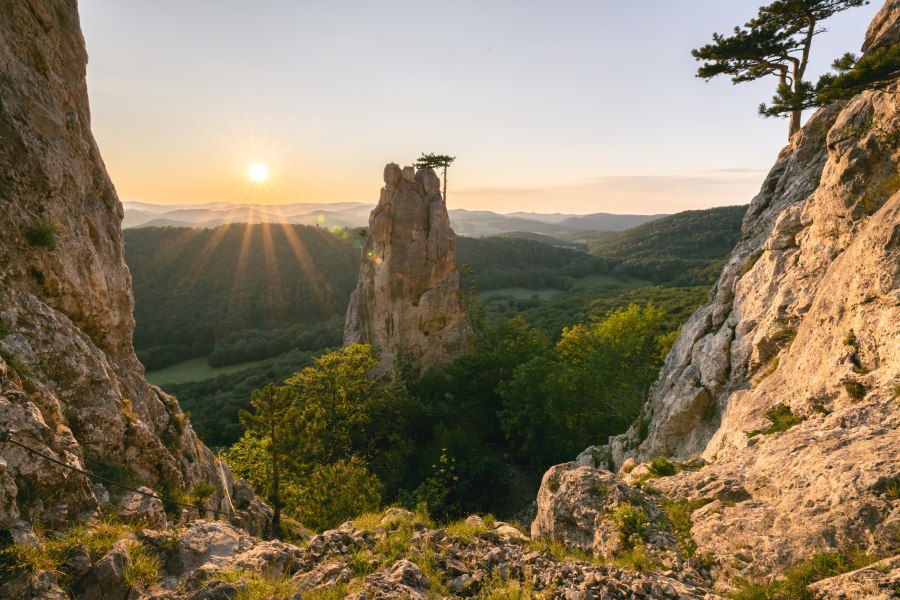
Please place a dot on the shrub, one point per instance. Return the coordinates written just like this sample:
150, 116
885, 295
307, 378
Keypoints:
782, 419
662, 467
889, 487
42, 234
631, 521
855, 389
635, 559
201, 492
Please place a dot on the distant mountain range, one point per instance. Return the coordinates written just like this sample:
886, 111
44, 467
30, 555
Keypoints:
356, 214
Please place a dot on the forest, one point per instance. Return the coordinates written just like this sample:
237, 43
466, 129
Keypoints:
569, 343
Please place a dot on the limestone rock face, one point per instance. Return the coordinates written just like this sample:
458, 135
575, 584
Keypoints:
70, 383
407, 302
805, 317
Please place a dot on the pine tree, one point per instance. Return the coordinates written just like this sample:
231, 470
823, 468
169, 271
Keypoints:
777, 42
271, 420
433, 161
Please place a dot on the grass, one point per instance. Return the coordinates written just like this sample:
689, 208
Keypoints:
43, 234
263, 586
782, 419
890, 487
195, 369
794, 585
678, 512
53, 552
143, 569
635, 559
465, 533
785, 332
562, 553
497, 588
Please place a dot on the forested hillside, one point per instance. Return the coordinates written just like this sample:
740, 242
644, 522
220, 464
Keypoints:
686, 248
273, 296
224, 288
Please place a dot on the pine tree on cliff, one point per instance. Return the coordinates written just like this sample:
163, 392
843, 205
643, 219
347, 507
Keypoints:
433, 161
777, 42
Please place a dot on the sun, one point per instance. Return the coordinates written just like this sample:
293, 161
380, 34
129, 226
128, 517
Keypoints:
258, 172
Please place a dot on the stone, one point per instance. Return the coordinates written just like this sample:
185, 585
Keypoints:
408, 302
819, 260
107, 578
144, 508
78, 393
504, 532
209, 543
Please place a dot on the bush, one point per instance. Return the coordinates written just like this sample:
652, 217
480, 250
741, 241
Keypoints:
782, 419
855, 389
43, 234
631, 521
662, 467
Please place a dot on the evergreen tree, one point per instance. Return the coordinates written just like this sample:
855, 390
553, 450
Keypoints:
270, 421
433, 161
777, 42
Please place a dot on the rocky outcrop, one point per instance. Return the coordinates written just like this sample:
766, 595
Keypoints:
407, 302
401, 557
70, 384
787, 381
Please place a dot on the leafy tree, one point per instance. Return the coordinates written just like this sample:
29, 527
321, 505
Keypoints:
777, 42
433, 161
270, 421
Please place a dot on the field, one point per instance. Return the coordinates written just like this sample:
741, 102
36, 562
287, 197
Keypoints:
587, 284
195, 369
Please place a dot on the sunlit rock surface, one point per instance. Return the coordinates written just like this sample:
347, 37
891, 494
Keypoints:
407, 302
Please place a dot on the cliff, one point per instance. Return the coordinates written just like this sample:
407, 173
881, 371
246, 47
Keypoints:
786, 385
407, 302
70, 384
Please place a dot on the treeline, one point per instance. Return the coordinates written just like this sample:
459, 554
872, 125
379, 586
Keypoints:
501, 262
687, 248
196, 289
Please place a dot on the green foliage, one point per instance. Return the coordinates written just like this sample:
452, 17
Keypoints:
678, 513
143, 568
687, 248
796, 580
635, 558
495, 587
632, 523
856, 390
201, 492
890, 487
876, 70
263, 586
432, 161
53, 552
503, 262
662, 467
784, 333
233, 279
782, 419
337, 492
43, 234
775, 43
876, 195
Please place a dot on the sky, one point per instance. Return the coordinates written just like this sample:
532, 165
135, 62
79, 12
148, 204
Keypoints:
573, 106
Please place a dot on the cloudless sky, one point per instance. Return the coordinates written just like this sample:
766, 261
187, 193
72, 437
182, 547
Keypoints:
568, 106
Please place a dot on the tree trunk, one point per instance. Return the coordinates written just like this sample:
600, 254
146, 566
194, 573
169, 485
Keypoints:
276, 500
445, 184
794, 123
